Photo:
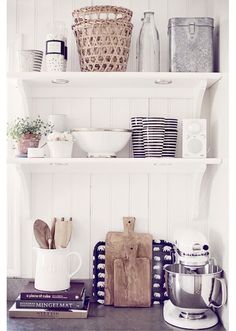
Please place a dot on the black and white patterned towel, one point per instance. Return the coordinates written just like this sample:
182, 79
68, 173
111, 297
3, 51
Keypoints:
162, 255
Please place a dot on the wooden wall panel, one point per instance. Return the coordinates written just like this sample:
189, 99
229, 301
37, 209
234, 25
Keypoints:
80, 212
98, 202
138, 8
120, 118
177, 207
42, 194
120, 206
100, 112
43, 22
100, 209
139, 201
161, 18
158, 206
26, 22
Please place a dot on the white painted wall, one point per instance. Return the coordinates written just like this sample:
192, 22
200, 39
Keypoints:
97, 202
219, 207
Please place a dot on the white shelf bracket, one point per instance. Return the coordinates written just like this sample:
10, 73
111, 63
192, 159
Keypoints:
25, 92
194, 202
199, 95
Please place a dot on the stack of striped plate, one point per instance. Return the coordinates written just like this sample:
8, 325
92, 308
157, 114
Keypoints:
170, 139
154, 136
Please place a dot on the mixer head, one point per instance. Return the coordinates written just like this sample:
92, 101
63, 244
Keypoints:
191, 248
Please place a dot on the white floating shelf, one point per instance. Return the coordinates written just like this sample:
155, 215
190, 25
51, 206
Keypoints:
117, 79
116, 165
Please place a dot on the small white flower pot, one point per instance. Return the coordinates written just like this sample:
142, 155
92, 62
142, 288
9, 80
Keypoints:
60, 148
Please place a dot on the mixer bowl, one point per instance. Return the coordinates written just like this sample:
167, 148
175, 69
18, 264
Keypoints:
195, 290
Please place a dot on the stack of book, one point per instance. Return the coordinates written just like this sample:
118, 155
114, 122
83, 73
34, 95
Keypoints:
32, 303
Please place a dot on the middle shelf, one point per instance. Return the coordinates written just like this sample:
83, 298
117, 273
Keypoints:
114, 165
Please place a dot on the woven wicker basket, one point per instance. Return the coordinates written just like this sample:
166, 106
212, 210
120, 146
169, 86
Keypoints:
103, 36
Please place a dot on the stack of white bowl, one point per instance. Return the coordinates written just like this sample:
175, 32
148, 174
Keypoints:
30, 60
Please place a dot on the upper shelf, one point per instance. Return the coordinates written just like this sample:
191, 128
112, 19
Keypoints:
117, 79
114, 165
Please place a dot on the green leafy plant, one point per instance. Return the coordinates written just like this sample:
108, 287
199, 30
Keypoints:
21, 126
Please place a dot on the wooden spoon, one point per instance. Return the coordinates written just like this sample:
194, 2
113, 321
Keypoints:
42, 234
53, 231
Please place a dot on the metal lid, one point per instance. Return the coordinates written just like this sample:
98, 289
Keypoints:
101, 129
185, 21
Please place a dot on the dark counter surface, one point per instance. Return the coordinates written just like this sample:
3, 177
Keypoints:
102, 319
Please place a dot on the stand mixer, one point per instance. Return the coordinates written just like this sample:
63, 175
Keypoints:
194, 283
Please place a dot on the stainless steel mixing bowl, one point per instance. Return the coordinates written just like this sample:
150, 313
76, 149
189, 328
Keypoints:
195, 290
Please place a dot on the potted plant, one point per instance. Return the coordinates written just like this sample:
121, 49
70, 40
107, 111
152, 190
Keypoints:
27, 132
60, 144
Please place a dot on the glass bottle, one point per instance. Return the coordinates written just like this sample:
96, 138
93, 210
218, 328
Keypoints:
148, 45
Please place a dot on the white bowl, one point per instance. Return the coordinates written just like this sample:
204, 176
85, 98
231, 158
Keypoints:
102, 142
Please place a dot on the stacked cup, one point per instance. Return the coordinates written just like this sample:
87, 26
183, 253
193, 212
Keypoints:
30, 60
153, 136
137, 137
170, 139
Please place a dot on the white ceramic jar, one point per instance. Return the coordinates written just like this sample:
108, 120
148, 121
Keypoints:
52, 269
60, 149
58, 121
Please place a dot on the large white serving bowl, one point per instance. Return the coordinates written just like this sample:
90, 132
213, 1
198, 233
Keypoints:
101, 142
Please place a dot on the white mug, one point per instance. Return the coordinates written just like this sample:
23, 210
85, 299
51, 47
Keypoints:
58, 122
52, 269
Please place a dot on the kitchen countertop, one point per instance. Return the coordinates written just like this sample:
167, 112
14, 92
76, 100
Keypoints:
101, 319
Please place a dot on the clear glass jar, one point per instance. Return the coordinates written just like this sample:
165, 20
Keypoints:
148, 45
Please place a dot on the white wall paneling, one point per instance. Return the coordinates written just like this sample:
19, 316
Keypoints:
162, 201
33, 20
219, 119
153, 199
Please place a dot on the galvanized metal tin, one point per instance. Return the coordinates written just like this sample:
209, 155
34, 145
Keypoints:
191, 44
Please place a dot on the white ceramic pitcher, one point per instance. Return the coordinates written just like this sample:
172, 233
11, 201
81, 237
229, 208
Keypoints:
52, 269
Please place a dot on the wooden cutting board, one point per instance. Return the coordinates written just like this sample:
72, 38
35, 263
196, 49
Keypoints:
132, 278
115, 249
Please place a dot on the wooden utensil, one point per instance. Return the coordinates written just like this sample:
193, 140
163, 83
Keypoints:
115, 250
53, 232
68, 231
42, 233
132, 278
63, 231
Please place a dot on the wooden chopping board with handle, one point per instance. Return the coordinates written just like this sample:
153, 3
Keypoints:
132, 278
115, 249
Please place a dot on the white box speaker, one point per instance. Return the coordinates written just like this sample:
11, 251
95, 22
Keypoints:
194, 138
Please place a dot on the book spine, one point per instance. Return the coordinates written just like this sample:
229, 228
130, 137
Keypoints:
48, 297
47, 314
40, 304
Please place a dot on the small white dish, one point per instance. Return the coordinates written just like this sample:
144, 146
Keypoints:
35, 152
